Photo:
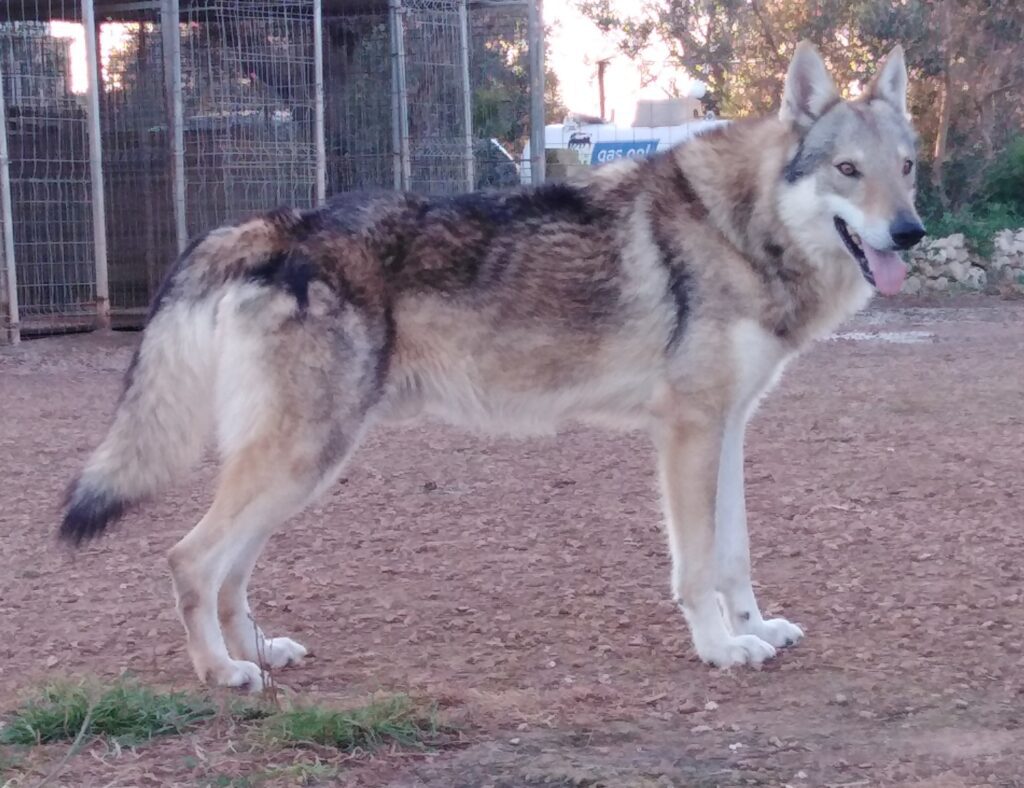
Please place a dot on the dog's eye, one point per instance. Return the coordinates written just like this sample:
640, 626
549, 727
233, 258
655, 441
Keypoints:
908, 165
848, 169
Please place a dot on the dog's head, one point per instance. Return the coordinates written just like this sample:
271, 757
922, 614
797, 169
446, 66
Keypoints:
848, 185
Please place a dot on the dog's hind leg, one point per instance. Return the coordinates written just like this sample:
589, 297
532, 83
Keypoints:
260, 488
294, 387
732, 549
688, 454
245, 639
255, 496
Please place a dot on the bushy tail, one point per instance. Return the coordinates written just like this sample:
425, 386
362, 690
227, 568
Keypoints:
167, 410
161, 424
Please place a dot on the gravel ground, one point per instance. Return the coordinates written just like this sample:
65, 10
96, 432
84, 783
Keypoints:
523, 584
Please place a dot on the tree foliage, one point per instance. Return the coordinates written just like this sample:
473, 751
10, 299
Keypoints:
500, 79
966, 59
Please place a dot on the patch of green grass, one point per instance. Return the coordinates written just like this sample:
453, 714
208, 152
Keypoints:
978, 224
395, 720
124, 711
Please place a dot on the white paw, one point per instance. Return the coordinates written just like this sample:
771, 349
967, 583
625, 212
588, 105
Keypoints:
732, 651
237, 673
777, 631
281, 652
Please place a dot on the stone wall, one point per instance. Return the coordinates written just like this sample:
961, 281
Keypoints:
946, 264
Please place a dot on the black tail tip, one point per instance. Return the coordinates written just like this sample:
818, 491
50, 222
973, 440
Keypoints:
88, 512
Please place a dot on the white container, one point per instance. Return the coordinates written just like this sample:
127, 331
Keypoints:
600, 143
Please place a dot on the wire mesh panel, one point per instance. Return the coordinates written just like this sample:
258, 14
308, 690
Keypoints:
249, 100
6, 312
9, 318
357, 80
42, 59
397, 107
500, 81
434, 94
136, 159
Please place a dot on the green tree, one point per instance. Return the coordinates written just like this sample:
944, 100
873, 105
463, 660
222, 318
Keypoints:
966, 59
500, 79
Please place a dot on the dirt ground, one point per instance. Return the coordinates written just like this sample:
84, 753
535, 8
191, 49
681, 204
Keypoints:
523, 585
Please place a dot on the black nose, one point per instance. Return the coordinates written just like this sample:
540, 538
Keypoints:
906, 232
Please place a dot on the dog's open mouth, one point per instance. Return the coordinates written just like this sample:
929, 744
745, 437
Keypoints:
853, 243
883, 269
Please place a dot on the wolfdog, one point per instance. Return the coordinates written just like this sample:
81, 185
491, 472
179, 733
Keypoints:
663, 294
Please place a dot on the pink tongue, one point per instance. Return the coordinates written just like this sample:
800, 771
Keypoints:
887, 268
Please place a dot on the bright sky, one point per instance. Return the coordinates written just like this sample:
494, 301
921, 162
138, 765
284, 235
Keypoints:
113, 38
576, 44
79, 72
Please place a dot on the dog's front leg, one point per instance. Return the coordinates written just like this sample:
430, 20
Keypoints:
732, 548
689, 453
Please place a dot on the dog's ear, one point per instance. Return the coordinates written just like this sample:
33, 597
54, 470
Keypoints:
890, 83
809, 89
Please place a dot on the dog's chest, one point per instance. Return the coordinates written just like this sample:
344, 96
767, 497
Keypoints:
758, 359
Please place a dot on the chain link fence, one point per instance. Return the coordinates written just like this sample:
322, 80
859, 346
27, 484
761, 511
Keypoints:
207, 110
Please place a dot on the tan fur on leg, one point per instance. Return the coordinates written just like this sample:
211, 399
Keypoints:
688, 463
253, 499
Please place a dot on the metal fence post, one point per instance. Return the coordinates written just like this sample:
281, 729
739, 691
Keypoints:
170, 27
10, 290
535, 32
99, 224
318, 79
396, 134
400, 98
467, 93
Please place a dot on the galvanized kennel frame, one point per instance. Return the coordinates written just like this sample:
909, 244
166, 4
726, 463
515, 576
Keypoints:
129, 126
